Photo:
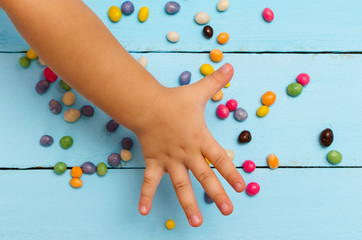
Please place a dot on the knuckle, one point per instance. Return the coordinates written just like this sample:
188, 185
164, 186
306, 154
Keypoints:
180, 185
204, 175
148, 179
218, 160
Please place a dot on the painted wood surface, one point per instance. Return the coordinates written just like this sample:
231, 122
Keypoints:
309, 25
291, 130
293, 204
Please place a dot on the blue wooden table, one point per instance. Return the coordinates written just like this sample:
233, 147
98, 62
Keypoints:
306, 198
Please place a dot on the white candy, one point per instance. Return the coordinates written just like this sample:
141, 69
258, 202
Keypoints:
173, 36
223, 5
230, 154
143, 61
202, 18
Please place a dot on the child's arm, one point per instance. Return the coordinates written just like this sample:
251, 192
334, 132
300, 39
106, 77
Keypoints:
169, 123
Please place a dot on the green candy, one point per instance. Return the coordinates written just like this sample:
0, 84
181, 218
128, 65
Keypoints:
24, 62
64, 85
60, 168
294, 89
101, 169
66, 142
334, 157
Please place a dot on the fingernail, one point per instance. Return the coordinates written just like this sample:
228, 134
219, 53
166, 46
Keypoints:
238, 187
224, 207
225, 68
195, 220
143, 209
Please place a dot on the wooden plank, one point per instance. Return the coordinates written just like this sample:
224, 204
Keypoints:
291, 130
324, 25
292, 204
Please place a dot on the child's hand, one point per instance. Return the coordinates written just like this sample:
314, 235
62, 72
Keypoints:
175, 138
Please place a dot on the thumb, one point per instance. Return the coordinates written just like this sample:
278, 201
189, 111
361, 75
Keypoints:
211, 84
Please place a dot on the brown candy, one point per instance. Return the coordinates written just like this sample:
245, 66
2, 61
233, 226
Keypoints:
326, 137
208, 32
244, 137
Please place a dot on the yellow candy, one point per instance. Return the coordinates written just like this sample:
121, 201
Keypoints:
143, 14
114, 13
207, 161
227, 85
262, 111
206, 69
170, 224
31, 54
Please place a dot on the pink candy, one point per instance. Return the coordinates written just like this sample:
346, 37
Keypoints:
222, 111
50, 75
249, 166
252, 189
303, 79
268, 15
232, 104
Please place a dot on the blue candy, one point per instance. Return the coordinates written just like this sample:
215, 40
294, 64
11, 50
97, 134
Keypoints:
185, 78
127, 8
208, 199
240, 114
172, 7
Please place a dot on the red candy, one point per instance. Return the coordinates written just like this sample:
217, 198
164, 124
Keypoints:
249, 166
232, 104
303, 79
252, 189
50, 75
268, 15
222, 111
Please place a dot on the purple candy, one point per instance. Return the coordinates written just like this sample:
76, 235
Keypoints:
87, 110
127, 8
112, 126
172, 7
208, 199
89, 168
114, 159
55, 106
42, 86
185, 78
46, 140
127, 143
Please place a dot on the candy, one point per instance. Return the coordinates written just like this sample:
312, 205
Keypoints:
208, 31
218, 96
60, 168
41, 61
249, 166
202, 18
240, 114
126, 155
222, 111
170, 224
268, 14
216, 55
172, 7
50, 75
252, 189
42, 86
334, 157
114, 159
87, 110
273, 161
24, 62
68, 98
127, 8
173, 36
89, 168
223, 38
55, 106
207, 198
75, 182
46, 140
207, 161
143, 14
31, 55
76, 172
127, 143
268, 98
71, 115
227, 85
244, 137
101, 169
303, 79
294, 89
262, 111
143, 61
112, 126
114, 13
223, 5
232, 104
66, 142
64, 85
185, 78
326, 137
206, 69
230, 154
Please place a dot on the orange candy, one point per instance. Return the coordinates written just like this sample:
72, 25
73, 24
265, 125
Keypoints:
268, 98
223, 38
76, 182
273, 161
76, 172
218, 96
216, 55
